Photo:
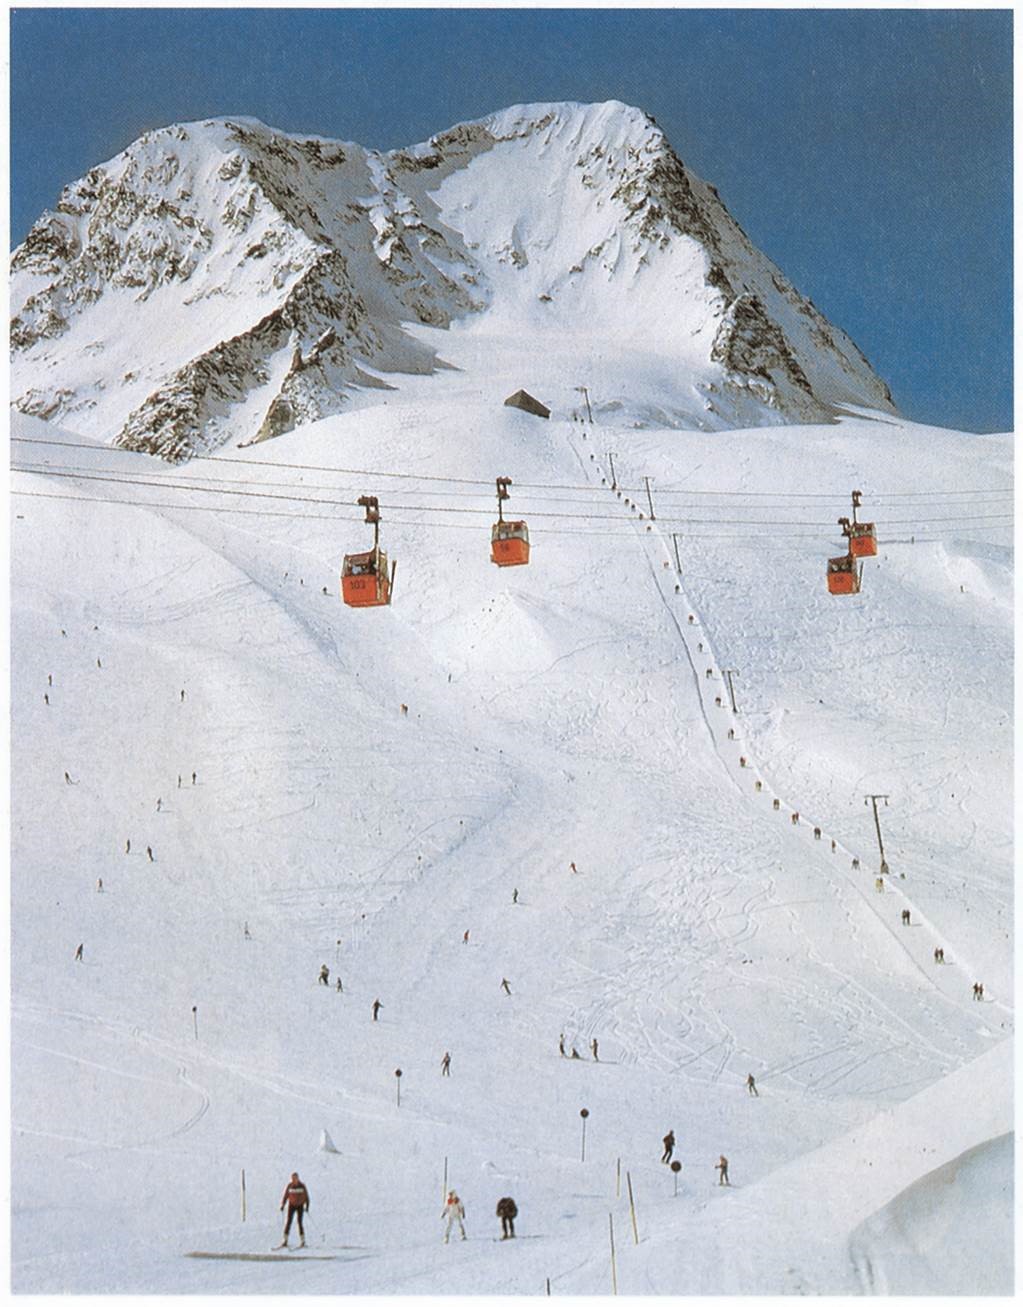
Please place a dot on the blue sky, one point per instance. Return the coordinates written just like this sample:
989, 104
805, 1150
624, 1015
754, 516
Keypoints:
868, 152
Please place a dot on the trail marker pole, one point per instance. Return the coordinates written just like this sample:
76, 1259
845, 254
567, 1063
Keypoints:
397, 1081
584, 1113
548, 1286
614, 1269
730, 672
618, 1179
675, 1168
650, 500
195, 1020
873, 798
243, 1193
614, 478
632, 1208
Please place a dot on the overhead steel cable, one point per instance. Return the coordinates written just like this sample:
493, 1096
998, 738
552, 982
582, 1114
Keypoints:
158, 477
755, 539
158, 480
165, 483
836, 496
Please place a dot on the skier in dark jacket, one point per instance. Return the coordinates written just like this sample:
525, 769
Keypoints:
507, 1211
296, 1199
669, 1146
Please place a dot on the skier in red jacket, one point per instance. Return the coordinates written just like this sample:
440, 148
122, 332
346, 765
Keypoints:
296, 1198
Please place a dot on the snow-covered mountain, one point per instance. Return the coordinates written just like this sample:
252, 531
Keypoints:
224, 779
222, 281
170, 621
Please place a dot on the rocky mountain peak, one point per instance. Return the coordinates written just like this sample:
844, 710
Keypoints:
224, 281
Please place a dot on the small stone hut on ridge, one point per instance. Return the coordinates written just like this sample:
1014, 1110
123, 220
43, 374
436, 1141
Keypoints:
523, 400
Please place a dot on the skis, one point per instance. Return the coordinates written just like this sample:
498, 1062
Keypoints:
273, 1255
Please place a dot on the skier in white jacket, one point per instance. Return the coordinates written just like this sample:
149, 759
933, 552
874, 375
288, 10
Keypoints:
453, 1211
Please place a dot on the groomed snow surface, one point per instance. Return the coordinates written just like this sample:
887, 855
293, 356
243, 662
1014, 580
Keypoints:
557, 713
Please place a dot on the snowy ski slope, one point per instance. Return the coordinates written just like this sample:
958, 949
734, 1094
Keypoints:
561, 712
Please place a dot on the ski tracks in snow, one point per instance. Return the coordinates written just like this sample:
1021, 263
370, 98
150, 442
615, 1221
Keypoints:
123, 1033
745, 776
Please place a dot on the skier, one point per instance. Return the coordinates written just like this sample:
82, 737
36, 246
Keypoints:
905, 916
98, 663
49, 678
296, 1197
78, 953
339, 987
561, 1045
324, 974
722, 1166
179, 780
575, 1054
377, 1005
507, 1211
593, 1050
505, 987
454, 1210
182, 696
574, 868
751, 1086
515, 896
159, 805
99, 885
46, 699
669, 1146
465, 938
127, 846
445, 1065
67, 779
149, 854
246, 931
193, 778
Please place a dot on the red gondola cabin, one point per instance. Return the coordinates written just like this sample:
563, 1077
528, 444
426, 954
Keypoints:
509, 544
843, 576
862, 540
509, 541
365, 580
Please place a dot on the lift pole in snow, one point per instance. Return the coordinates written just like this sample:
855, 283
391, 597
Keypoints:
650, 499
614, 479
678, 561
586, 396
730, 672
873, 798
